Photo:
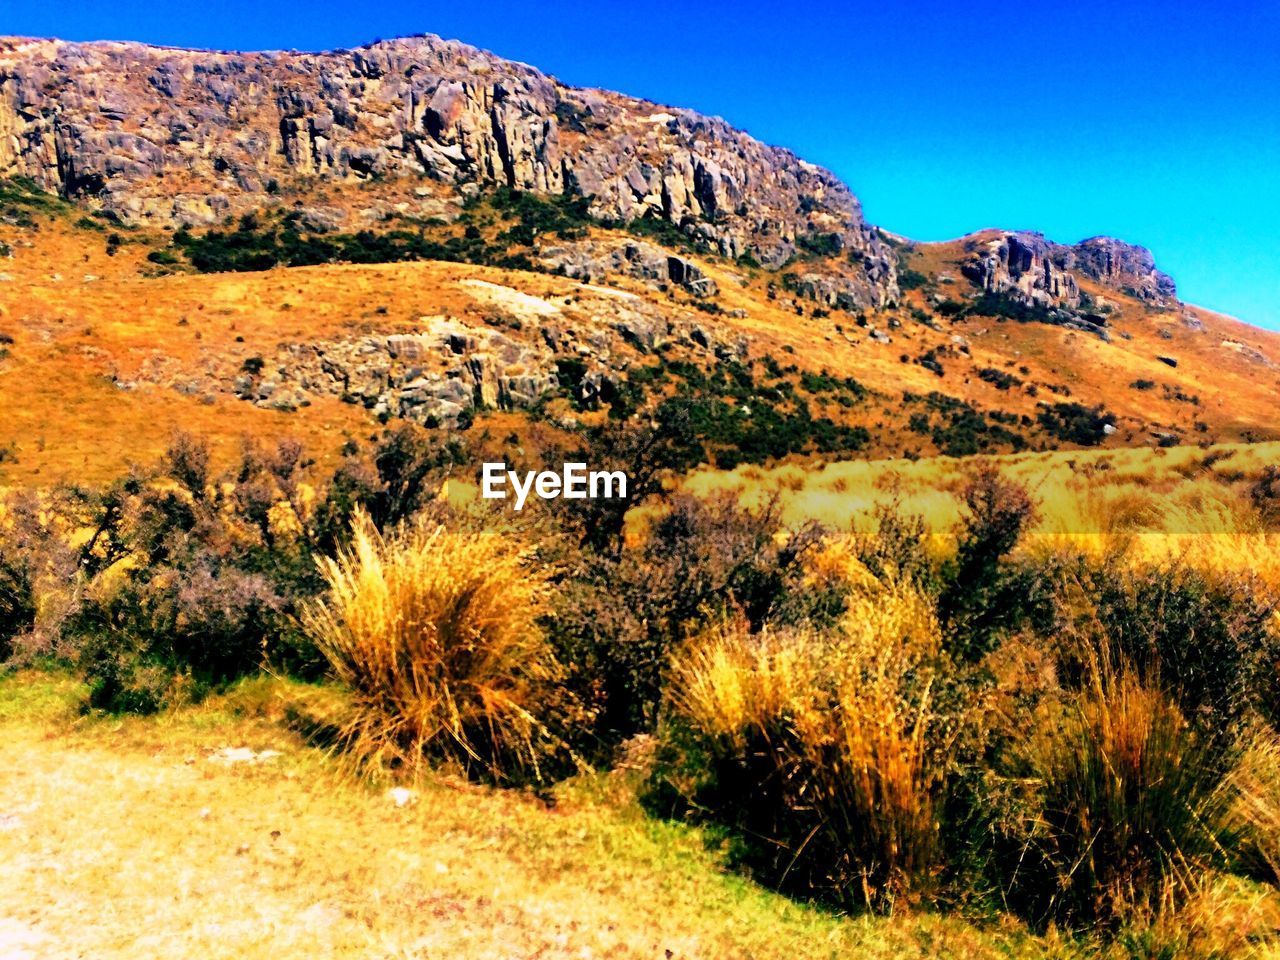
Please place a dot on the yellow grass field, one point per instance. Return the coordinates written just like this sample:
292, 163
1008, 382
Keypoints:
1157, 504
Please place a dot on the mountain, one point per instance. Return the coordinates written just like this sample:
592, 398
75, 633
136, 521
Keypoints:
469, 239
171, 136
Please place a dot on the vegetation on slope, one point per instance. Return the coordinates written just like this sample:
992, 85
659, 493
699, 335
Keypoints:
869, 721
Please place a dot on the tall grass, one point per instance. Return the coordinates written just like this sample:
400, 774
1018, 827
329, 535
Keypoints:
1132, 806
1255, 811
436, 633
823, 750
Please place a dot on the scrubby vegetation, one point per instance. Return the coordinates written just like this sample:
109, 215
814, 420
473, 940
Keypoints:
1076, 423
870, 718
495, 229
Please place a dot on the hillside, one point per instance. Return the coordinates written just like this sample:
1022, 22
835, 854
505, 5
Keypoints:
467, 239
938, 619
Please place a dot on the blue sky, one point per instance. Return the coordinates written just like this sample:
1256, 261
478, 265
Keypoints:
1155, 122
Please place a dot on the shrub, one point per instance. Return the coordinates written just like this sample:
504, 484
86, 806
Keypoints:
982, 597
1208, 638
437, 635
824, 754
1076, 423
192, 573
619, 619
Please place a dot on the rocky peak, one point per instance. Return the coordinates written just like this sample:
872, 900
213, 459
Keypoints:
181, 137
1034, 271
1026, 267
1125, 267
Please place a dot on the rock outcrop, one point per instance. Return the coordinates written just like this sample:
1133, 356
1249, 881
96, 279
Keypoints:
1035, 272
1025, 267
445, 370
176, 137
593, 261
1126, 267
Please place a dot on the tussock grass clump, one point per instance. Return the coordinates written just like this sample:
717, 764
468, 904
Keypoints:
1255, 811
1132, 806
823, 751
436, 632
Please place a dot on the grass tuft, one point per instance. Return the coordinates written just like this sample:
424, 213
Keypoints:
437, 635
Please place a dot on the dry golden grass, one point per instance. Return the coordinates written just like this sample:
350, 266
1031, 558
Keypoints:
133, 838
1256, 811
1151, 505
845, 715
436, 633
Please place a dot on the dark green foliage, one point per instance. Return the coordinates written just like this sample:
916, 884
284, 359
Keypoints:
960, 430
162, 257
620, 618
983, 598
1000, 379
820, 244
929, 360
661, 231
21, 199
255, 245
1204, 637
911, 280
951, 308
249, 248
566, 216
734, 419
1076, 423
824, 382
991, 304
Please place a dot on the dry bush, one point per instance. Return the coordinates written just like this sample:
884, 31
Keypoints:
824, 752
437, 634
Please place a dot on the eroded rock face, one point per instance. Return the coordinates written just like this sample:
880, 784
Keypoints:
1034, 271
1026, 268
185, 137
1125, 267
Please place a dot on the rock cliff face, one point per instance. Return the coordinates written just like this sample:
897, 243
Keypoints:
1027, 268
1034, 271
1126, 267
183, 137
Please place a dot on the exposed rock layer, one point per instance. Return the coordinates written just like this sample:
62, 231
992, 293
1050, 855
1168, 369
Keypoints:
1034, 271
183, 137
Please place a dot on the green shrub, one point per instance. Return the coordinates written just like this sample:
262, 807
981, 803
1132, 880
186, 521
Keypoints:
1207, 638
1076, 423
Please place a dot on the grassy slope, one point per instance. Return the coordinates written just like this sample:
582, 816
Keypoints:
81, 318
129, 838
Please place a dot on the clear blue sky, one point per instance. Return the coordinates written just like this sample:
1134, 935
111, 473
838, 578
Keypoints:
1157, 122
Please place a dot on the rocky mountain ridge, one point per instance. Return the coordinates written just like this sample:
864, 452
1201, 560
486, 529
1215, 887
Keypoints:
177, 137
